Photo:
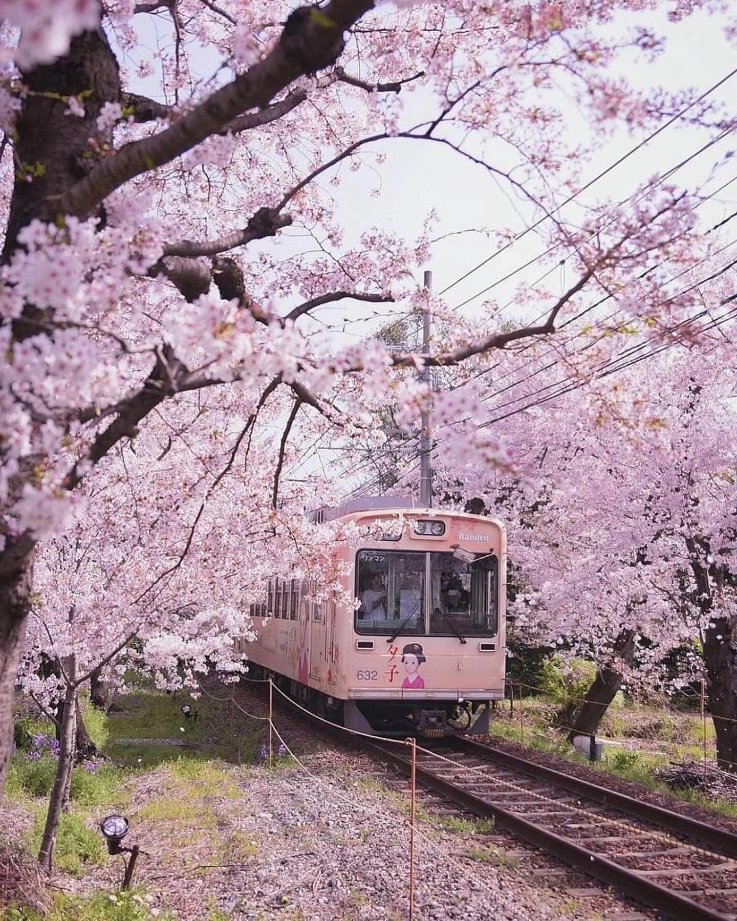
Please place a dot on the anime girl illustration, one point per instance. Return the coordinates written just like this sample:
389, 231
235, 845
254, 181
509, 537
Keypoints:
412, 657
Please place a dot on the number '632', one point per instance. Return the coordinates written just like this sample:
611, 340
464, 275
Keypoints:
367, 674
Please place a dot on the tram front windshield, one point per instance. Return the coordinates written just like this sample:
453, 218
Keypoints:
426, 594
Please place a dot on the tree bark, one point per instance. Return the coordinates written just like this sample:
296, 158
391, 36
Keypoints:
84, 747
62, 780
52, 153
99, 690
720, 659
603, 689
14, 607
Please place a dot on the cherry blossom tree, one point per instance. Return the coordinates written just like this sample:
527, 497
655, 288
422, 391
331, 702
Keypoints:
622, 518
126, 586
173, 224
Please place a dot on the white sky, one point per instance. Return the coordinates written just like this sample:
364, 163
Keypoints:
417, 178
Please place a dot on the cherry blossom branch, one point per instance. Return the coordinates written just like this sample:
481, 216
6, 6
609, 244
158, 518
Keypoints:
247, 429
497, 340
143, 108
101, 663
322, 299
266, 222
282, 450
393, 86
161, 383
311, 40
267, 114
221, 12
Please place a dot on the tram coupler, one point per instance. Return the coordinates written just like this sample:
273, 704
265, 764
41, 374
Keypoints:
432, 724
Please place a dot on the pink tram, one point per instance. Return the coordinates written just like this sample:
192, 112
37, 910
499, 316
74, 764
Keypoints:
422, 647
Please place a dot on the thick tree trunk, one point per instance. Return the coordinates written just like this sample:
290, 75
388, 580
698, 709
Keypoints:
720, 658
52, 151
604, 688
84, 747
99, 690
60, 791
14, 607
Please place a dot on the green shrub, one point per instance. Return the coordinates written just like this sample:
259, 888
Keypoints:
33, 777
525, 664
567, 680
27, 727
95, 722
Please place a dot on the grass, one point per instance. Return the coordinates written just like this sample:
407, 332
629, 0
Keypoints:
77, 845
661, 737
149, 714
468, 826
238, 847
492, 856
120, 906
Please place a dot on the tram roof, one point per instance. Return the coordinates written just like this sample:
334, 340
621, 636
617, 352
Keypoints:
363, 504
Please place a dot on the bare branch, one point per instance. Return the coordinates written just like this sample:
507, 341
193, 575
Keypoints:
394, 86
314, 302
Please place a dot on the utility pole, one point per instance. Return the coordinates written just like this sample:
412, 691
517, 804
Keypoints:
425, 469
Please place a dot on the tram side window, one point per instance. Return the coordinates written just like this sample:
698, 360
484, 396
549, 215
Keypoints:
293, 598
270, 600
278, 592
390, 591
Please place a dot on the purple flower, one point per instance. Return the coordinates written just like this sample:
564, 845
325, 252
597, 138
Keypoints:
89, 766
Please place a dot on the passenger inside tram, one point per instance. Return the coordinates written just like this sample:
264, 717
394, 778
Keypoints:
373, 599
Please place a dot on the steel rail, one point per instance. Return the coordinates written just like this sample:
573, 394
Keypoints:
717, 838
632, 883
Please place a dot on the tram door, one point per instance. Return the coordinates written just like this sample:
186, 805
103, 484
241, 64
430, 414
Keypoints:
318, 641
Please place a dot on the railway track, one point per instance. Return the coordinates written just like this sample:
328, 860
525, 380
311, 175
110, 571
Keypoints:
677, 865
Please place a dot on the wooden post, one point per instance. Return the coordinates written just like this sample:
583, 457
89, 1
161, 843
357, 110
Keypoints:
521, 718
130, 866
703, 727
413, 802
271, 721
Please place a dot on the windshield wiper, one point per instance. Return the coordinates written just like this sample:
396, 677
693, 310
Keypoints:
446, 617
404, 623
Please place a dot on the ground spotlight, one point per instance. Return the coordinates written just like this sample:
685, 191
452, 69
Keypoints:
114, 828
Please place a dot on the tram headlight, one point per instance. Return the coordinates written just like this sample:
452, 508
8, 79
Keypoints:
434, 528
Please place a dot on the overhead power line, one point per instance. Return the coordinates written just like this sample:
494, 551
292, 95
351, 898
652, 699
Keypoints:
633, 150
